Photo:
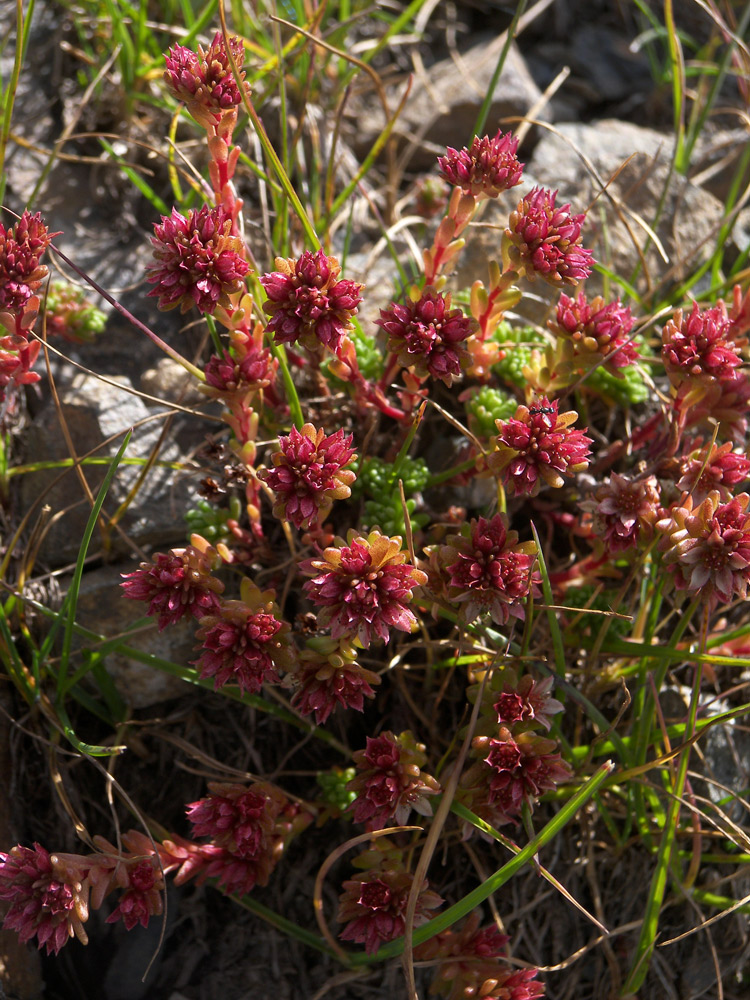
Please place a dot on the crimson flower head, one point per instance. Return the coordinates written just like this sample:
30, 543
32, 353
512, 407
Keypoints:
391, 783
544, 240
488, 569
197, 260
538, 447
718, 468
373, 904
244, 641
596, 329
624, 510
707, 547
699, 346
327, 676
427, 335
22, 246
204, 79
308, 303
227, 375
486, 168
520, 770
48, 899
309, 474
234, 817
364, 587
177, 583
528, 702
142, 897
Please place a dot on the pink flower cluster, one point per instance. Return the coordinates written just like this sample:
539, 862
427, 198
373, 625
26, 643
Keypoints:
538, 447
205, 81
327, 675
486, 168
364, 588
427, 335
310, 472
597, 330
488, 570
544, 240
197, 260
51, 895
391, 782
307, 302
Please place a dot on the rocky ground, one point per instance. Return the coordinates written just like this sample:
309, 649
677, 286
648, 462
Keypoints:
601, 133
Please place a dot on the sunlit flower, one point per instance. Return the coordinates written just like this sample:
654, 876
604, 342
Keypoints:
22, 247
309, 473
538, 446
489, 570
177, 583
391, 783
427, 335
699, 347
707, 547
716, 468
204, 80
596, 330
308, 303
364, 587
228, 375
197, 260
487, 167
545, 241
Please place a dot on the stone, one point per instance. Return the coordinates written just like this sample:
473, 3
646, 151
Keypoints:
443, 104
104, 609
97, 414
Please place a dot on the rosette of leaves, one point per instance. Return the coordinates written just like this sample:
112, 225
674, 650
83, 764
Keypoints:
210, 521
485, 406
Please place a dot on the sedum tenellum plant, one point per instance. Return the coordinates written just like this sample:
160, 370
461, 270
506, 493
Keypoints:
288, 336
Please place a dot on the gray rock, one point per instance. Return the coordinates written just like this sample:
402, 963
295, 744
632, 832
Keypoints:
442, 107
103, 608
96, 412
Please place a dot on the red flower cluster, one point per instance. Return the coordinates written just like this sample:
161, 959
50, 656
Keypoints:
244, 642
469, 964
426, 335
177, 583
204, 80
363, 587
707, 547
716, 468
624, 510
309, 474
545, 241
596, 329
328, 675
231, 375
391, 782
488, 167
373, 904
521, 769
308, 303
248, 826
489, 570
197, 260
527, 701
22, 247
538, 447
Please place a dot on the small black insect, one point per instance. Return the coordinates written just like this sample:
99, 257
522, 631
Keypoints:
541, 409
